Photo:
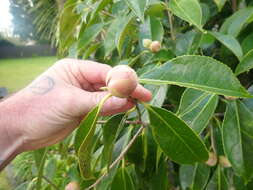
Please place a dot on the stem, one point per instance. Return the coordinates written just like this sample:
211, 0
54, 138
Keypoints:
173, 37
121, 156
50, 182
234, 5
127, 122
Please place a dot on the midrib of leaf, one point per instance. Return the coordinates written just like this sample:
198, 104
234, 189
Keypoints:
174, 131
188, 16
194, 104
194, 175
240, 140
211, 98
195, 86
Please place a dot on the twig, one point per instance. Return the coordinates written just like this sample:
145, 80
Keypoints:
234, 5
173, 37
121, 156
127, 122
50, 182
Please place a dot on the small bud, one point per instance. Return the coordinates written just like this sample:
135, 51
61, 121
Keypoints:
146, 43
212, 160
155, 46
73, 185
224, 162
230, 98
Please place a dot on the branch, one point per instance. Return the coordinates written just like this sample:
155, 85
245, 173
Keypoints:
127, 122
50, 182
121, 156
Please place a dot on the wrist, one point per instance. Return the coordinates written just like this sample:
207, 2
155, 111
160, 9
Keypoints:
11, 140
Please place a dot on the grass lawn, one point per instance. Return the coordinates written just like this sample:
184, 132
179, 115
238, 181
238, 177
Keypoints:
17, 73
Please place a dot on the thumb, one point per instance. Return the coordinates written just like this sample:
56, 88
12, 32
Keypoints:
113, 105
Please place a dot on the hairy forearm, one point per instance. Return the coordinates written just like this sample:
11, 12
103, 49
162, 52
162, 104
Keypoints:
10, 139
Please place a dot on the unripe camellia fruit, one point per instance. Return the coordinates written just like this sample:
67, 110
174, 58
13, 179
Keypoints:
212, 160
155, 46
72, 186
121, 81
224, 162
146, 43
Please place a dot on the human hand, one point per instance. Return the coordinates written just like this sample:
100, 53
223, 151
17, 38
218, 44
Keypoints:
53, 105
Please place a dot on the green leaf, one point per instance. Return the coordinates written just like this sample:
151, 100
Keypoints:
194, 177
218, 181
247, 44
109, 40
175, 138
138, 7
198, 72
235, 23
121, 35
110, 132
237, 134
246, 63
97, 8
84, 142
230, 42
118, 148
40, 159
151, 29
188, 10
220, 4
184, 43
68, 29
89, 34
196, 108
156, 9
122, 180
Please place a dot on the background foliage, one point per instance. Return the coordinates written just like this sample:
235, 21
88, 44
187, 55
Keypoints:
197, 132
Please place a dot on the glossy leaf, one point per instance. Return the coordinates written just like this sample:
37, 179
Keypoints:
196, 108
138, 7
230, 42
110, 132
198, 72
218, 181
175, 138
247, 44
117, 149
89, 34
40, 159
194, 176
184, 43
235, 23
122, 180
246, 63
67, 29
122, 33
109, 41
84, 142
237, 133
151, 29
188, 10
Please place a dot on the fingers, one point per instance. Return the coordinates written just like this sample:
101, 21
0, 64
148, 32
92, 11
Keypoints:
86, 71
141, 94
113, 105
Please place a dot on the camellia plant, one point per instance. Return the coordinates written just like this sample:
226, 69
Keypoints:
195, 57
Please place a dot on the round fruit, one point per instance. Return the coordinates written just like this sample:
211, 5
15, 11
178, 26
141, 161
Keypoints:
73, 185
155, 46
146, 43
212, 160
224, 162
121, 81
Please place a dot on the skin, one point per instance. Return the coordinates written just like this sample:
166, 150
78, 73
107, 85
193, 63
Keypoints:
52, 106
